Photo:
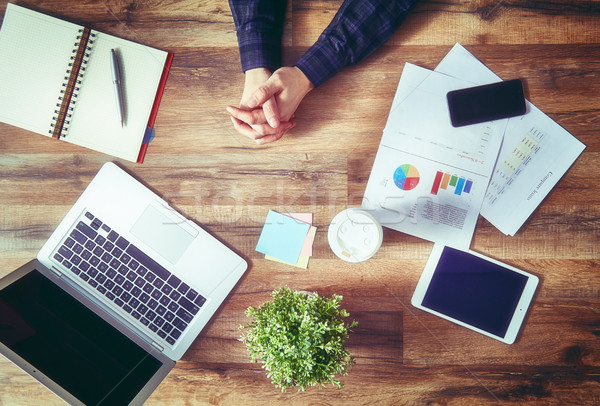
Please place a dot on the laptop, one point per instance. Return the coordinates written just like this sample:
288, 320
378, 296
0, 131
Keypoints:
117, 294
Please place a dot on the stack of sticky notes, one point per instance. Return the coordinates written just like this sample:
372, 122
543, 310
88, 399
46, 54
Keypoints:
287, 238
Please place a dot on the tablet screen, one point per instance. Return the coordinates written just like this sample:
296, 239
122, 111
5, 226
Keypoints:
474, 291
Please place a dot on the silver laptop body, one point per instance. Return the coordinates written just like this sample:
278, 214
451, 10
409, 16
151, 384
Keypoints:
138, 264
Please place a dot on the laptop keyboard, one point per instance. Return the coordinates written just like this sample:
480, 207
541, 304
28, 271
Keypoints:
156, 299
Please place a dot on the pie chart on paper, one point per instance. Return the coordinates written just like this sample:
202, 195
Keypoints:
406, 177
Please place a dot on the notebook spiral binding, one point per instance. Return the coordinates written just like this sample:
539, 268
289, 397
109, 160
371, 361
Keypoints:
82, 49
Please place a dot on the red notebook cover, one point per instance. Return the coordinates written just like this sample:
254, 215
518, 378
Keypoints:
154, 111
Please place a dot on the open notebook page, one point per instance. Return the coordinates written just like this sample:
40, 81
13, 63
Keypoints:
33, 64
95, 123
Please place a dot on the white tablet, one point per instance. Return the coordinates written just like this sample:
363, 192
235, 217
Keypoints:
475, 291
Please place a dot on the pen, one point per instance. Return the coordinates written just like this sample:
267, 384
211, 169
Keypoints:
117, 84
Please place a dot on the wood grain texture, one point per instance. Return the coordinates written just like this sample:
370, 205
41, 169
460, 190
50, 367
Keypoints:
227, 183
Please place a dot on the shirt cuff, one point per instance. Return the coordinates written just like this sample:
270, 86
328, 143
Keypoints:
320, 63
259, 50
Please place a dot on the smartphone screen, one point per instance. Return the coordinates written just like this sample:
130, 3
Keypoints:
486, 103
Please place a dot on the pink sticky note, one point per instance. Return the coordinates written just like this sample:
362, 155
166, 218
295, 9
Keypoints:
308, 243
310, 237
305, 217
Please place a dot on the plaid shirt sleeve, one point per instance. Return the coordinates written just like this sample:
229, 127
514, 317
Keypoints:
358, 29
259, 27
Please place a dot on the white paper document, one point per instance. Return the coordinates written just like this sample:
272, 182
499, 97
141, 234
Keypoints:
429, 179
535, 154
432, 180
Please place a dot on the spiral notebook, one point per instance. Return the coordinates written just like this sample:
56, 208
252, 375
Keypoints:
56, 81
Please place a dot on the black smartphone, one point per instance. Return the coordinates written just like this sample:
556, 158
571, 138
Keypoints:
486, 103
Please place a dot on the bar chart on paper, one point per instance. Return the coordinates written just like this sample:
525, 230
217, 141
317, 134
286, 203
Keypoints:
448, 181
514, 164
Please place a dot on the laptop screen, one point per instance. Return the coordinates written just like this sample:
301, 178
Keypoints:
70, 344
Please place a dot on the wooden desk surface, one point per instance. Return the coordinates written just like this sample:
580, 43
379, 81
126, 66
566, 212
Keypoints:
226, 183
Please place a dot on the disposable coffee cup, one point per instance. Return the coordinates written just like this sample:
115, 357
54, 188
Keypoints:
355, 235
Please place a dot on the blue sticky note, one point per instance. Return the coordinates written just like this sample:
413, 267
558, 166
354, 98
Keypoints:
282, 237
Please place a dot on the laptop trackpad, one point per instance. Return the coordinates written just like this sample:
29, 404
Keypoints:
162, 233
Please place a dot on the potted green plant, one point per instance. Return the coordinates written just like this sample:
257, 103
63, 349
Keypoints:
300, 339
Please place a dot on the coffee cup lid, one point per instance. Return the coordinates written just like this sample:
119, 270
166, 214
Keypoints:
355, 235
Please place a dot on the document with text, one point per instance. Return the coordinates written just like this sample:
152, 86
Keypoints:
429, 179
535, 154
